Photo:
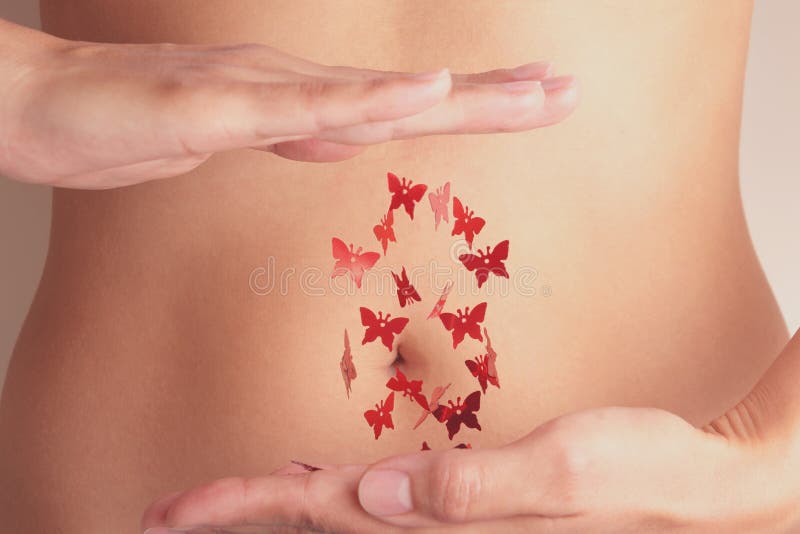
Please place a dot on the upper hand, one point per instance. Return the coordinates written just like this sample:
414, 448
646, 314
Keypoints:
92, 115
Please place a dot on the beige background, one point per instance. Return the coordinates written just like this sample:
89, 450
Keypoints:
769, 169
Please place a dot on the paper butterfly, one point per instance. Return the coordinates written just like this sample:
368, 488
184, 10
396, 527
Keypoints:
384, 231
346, 365
406, 293
466, 323
491, 357
351, 261
426, 447
306, 466
439, 201
438, 391
404, 194
381, 326
465, 222
487, 262
479, 367
439, 306
457, 413
381, 416
411, 389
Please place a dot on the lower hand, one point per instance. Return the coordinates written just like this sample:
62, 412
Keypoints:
602, 470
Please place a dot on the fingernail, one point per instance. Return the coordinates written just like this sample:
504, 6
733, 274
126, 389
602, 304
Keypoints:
430, 75
531, 70
520, 88
385, 492
559, 82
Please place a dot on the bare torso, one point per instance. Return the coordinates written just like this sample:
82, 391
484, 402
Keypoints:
150, 362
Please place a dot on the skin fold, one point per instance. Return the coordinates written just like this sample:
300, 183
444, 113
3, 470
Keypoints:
150, 363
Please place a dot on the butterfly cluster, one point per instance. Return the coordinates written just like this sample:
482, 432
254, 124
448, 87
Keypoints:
466, 323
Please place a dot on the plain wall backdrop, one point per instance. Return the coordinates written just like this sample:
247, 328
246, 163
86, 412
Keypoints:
770, 174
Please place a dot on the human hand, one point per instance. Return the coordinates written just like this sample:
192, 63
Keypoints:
92, 115
616, 470
602, 470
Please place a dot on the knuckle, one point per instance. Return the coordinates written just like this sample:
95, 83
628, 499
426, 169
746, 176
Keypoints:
571, 462
455, 487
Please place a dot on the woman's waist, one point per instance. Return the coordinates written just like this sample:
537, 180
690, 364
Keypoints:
572, 331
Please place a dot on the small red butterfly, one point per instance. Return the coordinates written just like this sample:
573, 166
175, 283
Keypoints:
439, 201
409, 388
351, 261
467, 322
406, 293
491, 357
306, 466
479, 367
381, 326
384, 231
346, 365
487, 262
457, 413
404, 194
439, 306
426, 447
465, 222
438, 391
381, 416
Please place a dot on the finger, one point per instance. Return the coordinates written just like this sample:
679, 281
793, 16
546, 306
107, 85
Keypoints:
130, 174
242, 114
314, 150
474, 108
156, 513
321, 499
455, 486
529, 71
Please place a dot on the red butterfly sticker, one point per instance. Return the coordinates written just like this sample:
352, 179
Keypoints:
404, 194
491, 357
465, 222
384, 231
439, 201
406, 293
306, 466
351, 261
426, 447
458, 413
409, 388
381, 326
479, 367
438, 391
465, 323
347, 366
484, 263
439, 306
381, 416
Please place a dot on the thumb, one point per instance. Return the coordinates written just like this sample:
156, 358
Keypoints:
462, 485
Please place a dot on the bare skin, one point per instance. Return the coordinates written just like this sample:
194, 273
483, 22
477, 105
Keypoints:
149, 365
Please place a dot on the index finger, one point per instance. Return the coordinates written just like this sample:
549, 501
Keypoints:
324, 499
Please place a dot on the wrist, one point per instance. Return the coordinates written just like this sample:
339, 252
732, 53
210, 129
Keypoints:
23, 52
